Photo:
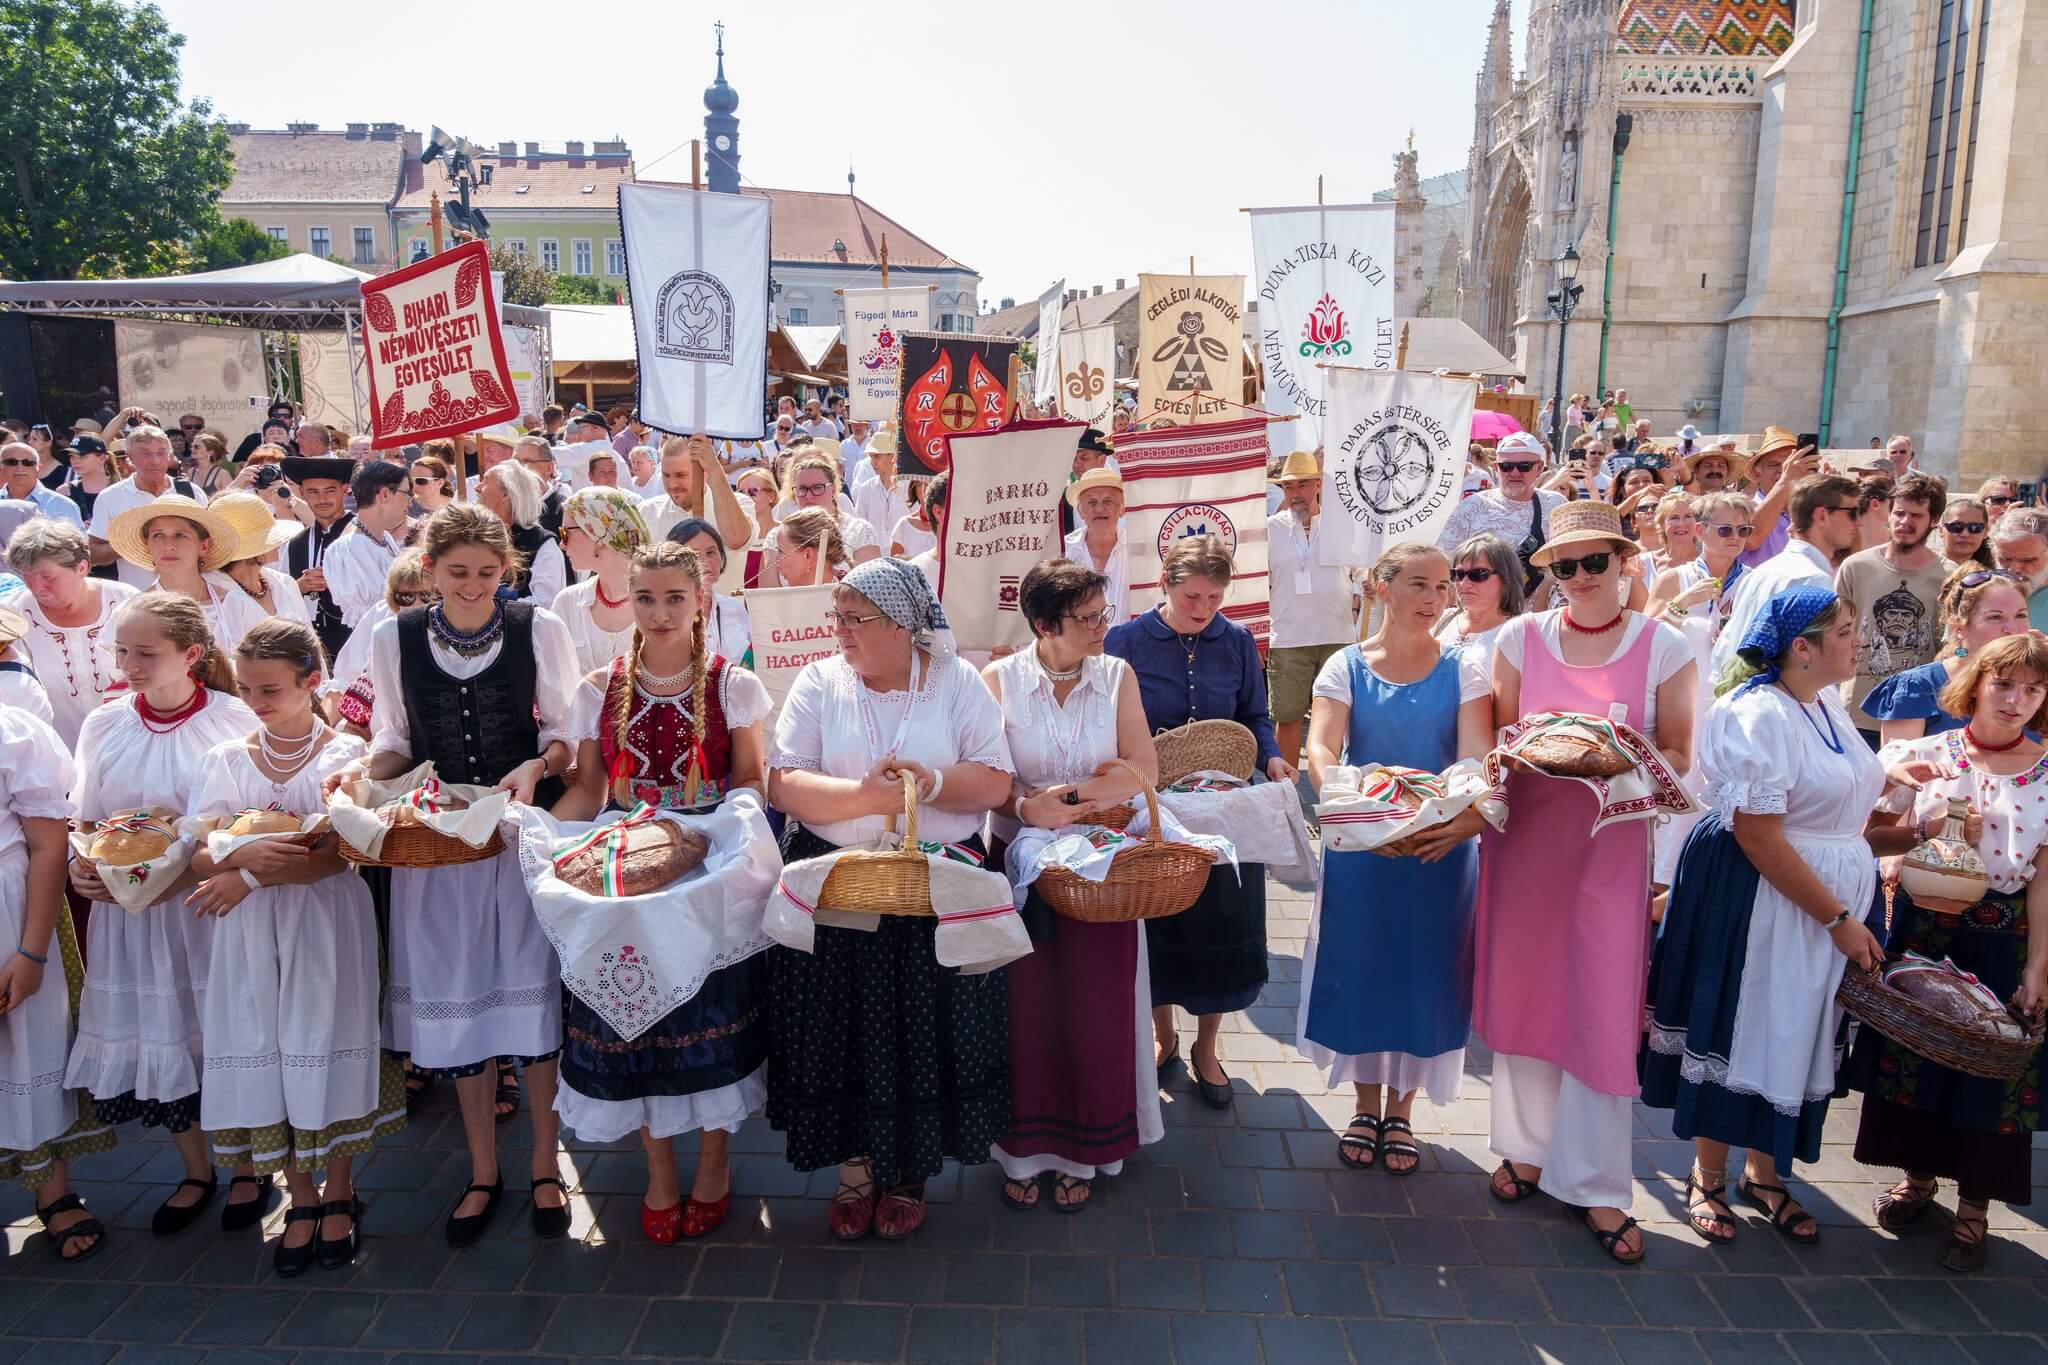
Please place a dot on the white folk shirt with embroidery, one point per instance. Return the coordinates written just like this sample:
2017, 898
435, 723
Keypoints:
1053, 743
1311, 601
2015, 816
357, 566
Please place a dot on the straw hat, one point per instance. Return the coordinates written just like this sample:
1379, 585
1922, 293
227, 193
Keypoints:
1094, 478
883, 439
1585, 522
125, 535
13, 625
1299, 464
1775, 440
257, 531
501, 434
1737, 461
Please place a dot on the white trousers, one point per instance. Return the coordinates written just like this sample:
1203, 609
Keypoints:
1542, 1115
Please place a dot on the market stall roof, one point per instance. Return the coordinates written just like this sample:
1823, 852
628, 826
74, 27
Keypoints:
592, 332
1449, 344
298, 281
813, 343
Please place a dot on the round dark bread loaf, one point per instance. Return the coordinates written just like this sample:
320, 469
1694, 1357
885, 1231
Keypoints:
657, 853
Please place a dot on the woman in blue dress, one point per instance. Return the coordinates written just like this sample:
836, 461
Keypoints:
1388, 1003
1978, 605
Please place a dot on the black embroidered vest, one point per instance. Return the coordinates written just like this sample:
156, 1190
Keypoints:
477, 729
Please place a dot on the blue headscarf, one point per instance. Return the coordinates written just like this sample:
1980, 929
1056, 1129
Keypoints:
1784, 619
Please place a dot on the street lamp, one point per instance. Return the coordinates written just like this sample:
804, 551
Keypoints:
1563, 300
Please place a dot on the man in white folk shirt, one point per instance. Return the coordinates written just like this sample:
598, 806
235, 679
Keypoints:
853, 447
1517, 511
1097, 542
149, 455
588, 436
20, 466
1824, 529
1310, 601
357, 564
883, 499
690, 469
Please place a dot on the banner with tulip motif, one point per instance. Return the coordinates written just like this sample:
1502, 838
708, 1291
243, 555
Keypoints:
1325, 296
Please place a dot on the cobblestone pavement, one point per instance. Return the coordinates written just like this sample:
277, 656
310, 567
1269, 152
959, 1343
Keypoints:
1237, 1239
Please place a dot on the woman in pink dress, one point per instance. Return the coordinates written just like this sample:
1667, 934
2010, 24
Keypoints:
1563, 921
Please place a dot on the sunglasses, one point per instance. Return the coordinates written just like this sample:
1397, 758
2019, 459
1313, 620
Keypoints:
1594, 565
412, 599
1517, 466
1983, 576
1473, 575
1963, 528
1726, 531
191, 426
1996, 501
17, 464
425, 481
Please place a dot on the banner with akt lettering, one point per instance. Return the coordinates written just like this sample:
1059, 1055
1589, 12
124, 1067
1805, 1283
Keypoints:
876, 320
1326, 297
789, 629
1394, 450
1190, 348
436, 359
1002, 518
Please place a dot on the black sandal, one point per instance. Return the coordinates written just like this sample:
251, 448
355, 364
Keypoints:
1349, 1142
336, 1252
549, 1224
1786, 1216
1066, 1185
1019, 1202
1610, 1239
1967, 1254
1709, 1196
507, 1096
1524, 1189
84, 1227
1895, 1211
289, 1260
247, 1214
1390, 1146
170, 1219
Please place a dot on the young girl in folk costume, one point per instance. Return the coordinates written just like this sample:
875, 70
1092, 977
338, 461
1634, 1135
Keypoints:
186, 545
640, 723
138, 1047
295, 952
44, 1125
482, 688
601, 528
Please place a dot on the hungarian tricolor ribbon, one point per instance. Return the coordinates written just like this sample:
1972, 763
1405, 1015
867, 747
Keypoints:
138, 823
612, 839
1392, 784
426, 798
959, 853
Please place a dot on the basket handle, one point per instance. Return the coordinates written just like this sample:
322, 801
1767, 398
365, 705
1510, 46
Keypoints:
909, 810
1152, 833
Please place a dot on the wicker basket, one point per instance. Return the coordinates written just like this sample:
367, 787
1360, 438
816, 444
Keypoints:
1932, 1035
413, 845
1156, 879
1206, 746
894, 881
1116, 817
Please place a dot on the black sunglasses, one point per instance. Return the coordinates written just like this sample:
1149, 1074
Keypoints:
17, 464
1983, 576
1594, 565
1517, 466
1963, 528
1472, 575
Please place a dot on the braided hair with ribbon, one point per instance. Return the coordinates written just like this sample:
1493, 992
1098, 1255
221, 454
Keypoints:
666, 554
1804, 611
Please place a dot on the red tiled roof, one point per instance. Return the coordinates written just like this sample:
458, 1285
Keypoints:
1709, 28
806, 223
312, 168
549, 183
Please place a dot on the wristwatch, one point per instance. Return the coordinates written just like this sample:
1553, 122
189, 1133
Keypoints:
1073, 797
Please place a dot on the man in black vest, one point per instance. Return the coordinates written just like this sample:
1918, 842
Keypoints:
323, 482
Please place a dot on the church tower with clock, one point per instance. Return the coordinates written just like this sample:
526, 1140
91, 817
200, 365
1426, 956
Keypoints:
722, 129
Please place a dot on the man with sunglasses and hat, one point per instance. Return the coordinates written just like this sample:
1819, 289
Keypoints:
1825, 509
1311, 602
1517, 511
323, 482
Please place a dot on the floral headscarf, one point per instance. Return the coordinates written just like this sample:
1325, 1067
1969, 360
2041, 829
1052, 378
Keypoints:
900, 592
609, 516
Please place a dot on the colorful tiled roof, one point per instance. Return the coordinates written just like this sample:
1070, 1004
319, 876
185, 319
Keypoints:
1693, 28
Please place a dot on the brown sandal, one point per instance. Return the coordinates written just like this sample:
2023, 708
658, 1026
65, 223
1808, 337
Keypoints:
900, 1213
1967, 1254
1901, 1205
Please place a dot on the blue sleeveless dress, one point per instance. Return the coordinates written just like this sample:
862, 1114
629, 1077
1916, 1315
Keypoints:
1389, 958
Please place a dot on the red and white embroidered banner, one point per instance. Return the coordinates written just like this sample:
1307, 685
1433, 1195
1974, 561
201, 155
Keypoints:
1002, 519
1197, 481
437, 361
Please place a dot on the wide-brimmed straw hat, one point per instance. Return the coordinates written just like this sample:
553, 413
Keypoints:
1585, 522
1775, 440
1094, 478
125, 535
13, 625
1299, 464
1737, 462
257, 531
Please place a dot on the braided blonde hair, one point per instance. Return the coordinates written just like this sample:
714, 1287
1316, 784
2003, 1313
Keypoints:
665, 554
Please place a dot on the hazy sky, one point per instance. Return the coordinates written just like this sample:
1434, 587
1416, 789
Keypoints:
1078, 138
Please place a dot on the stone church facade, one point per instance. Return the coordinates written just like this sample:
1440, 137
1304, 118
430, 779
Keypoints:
1756, 250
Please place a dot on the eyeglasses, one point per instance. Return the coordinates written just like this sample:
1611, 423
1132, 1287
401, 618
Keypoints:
840, 620
1517, 466
1100, 618
811, 490
1594, 565
1963, 528
191, 426
1726, 531
17, 464
1473, 575
1983, 576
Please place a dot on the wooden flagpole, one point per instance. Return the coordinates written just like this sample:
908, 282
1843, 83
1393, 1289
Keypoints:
697, 483
434, 219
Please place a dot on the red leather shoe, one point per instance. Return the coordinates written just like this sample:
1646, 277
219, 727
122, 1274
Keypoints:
701, 1219
660, 1226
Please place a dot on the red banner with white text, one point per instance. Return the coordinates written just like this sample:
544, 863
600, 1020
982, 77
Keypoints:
437, 362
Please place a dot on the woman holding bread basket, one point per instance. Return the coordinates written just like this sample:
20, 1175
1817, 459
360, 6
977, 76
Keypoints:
647, 725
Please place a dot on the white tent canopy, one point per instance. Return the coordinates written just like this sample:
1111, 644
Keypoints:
291, 282
592, 332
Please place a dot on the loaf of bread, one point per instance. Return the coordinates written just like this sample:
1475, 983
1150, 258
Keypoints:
1573, 746
1407, 788
1954, 998
656, 854
404, 813
264, 822
131, 836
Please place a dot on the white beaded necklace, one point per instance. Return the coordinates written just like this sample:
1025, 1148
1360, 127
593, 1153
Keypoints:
288, 756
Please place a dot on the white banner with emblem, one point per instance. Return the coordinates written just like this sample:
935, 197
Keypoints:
1394, 450
1088, 374
1326, 296
875, 321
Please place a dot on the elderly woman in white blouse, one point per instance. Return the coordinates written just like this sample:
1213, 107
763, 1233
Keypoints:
881, 1061
69, 644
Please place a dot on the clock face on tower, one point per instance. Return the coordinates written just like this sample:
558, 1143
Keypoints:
722, 142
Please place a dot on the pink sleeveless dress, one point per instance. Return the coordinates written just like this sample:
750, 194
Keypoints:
1562, 935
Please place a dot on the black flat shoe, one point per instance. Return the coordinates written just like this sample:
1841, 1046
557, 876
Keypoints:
170, 1219
289, 1260
337, 1252
463, 1231
1215, 1096
549, 1224
247, 1214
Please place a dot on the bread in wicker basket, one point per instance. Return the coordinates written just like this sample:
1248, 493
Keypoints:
1578, 747
657, 853
1156, 878
1952, 1030
410, 843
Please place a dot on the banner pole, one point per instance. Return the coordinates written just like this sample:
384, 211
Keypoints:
1401, 352
434, 218
696, 164
885, 268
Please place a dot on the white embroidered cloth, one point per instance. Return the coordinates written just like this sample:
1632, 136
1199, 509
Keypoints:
1643, 792
137, 886
632, 959
1354, 822
362, 812
1262, 822
978, 927
1089, 850
212, 830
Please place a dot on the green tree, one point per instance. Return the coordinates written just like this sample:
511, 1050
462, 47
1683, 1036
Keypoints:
525, 282
104, 171
583, 289
233, 242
